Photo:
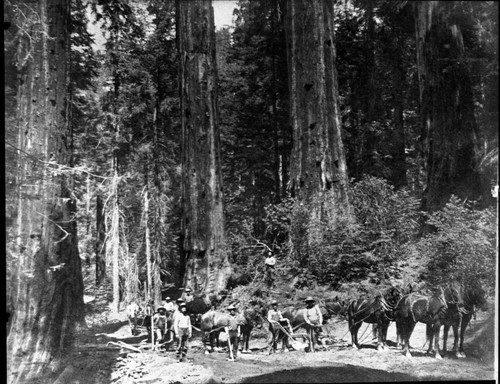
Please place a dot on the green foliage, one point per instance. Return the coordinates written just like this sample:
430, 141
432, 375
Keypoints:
463, 245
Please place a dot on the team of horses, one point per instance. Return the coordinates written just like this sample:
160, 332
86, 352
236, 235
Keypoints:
448, 306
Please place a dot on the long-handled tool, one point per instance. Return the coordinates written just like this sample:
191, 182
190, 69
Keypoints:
295, 343
229, 344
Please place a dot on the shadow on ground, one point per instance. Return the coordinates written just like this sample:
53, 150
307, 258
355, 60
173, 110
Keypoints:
332, 374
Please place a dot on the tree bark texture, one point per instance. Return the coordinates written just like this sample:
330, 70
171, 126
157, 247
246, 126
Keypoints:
49, 292
318, 160
448, 124
100, 245
207, 266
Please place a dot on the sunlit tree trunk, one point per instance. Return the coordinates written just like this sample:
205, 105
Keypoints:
318, 161
49, 293
205, 254
448, 124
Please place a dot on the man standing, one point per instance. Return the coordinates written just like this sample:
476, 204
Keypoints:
233, 331
183, 330
188, 295
270, 263
159, 321
276, 322
314, 319
169, 305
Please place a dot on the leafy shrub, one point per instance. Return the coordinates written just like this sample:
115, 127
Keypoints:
463, 245
339, 243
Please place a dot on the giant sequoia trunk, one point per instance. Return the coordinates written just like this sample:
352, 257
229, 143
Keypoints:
206, 262
49, 293
447, 108
318, 161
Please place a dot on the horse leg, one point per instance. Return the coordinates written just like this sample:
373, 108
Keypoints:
429, 334
374, 330
383, 331
406, 330
446, 328
379, 326
463, 327
437, 328
354, 335
456, 334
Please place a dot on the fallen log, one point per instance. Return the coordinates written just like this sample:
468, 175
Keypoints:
124, 345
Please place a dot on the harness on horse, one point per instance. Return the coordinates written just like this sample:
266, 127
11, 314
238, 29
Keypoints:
417, 297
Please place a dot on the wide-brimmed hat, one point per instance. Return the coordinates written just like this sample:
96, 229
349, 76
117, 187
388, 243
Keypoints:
167, 298
231, 307
274, 302
182, 305
309, 298
187, 290
180, 301
158, 309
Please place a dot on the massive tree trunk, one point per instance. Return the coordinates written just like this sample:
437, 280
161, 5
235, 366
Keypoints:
206, 261
49, 293
446, 105
318, 161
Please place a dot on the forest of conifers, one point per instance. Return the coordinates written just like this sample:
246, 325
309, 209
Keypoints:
344, 136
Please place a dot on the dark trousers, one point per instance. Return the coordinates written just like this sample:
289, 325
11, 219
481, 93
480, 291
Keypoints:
234, 341
277, 334
182, 343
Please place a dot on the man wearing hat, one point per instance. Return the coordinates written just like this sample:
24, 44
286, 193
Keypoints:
183, 331
314, 318
188, 295
169, 305
160, 321
270, 263
178, 303
274, 317
233, 330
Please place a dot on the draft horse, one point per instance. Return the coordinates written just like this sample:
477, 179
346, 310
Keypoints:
414, 308
213, 322
378, 310
474, 298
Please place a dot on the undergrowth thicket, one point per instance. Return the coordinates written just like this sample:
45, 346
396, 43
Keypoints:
375, 242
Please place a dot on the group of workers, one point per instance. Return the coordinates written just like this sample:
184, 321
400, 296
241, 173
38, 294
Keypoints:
172, 316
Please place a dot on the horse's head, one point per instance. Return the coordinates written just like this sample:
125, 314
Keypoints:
392, 295
453, 294
476, 296
336, 307
255, 316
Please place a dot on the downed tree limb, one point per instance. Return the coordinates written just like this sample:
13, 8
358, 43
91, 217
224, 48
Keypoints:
124, 345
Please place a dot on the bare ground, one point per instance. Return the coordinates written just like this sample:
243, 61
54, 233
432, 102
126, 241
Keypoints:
94, 361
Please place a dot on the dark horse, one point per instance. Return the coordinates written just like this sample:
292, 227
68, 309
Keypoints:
252, 317
213, 322
431, 310
473, 299
378, 310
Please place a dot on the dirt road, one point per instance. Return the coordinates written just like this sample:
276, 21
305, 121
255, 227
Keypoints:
96, 362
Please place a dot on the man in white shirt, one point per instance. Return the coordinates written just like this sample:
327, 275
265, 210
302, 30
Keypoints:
274, 317
188, 295
183, 331
270, 263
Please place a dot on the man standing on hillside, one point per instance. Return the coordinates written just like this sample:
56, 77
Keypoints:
270, 263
